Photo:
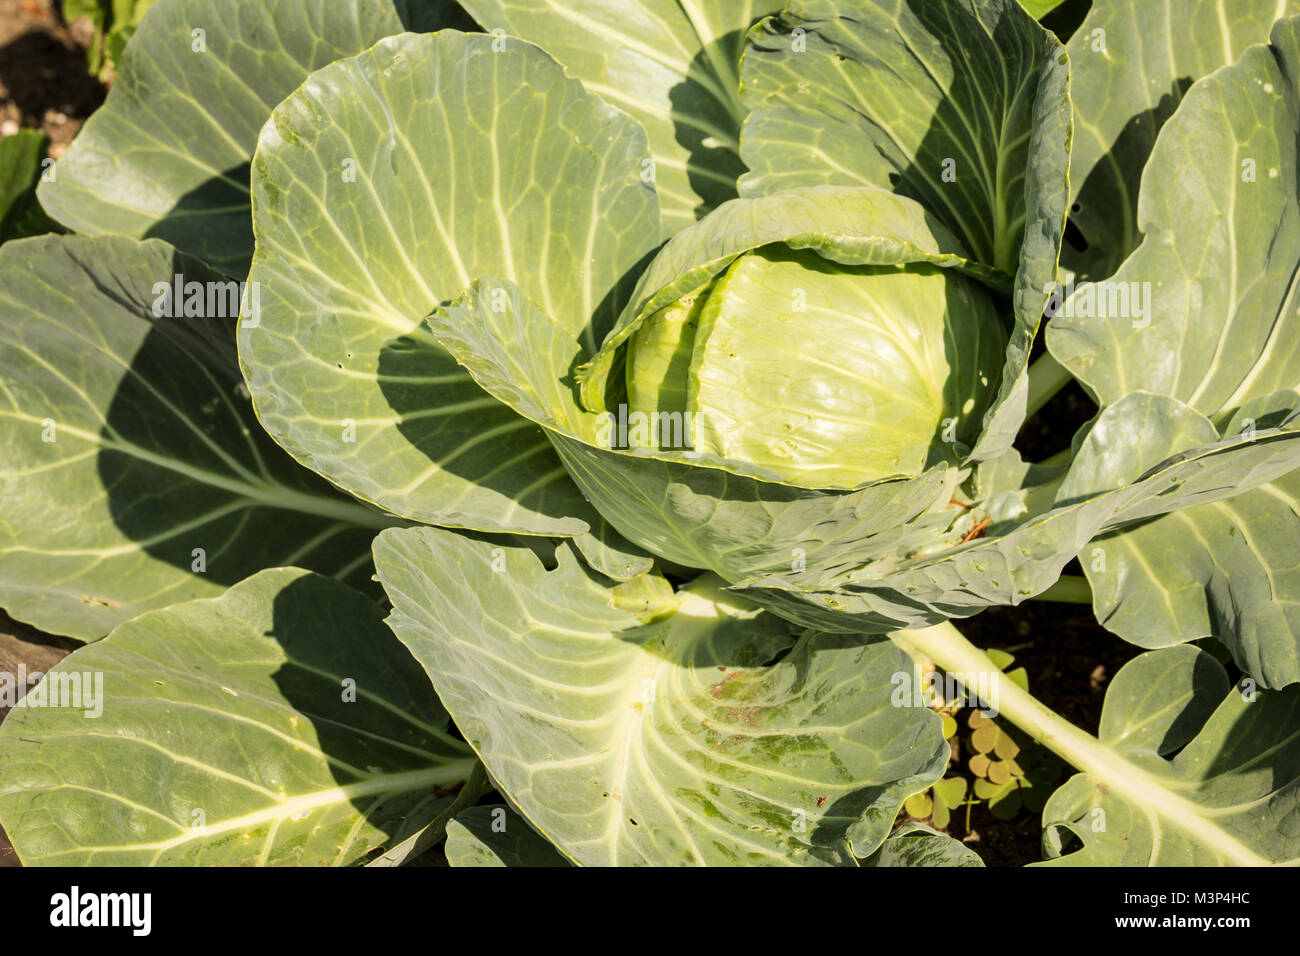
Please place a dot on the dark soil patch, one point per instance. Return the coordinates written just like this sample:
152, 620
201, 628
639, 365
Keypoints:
44, 83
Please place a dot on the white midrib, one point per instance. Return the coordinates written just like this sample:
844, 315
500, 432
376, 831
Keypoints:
446, 774
949, 650
695, 614
262, 494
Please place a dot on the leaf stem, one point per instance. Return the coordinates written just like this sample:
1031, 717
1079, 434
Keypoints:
1108, 770
1068, 589
1047, 376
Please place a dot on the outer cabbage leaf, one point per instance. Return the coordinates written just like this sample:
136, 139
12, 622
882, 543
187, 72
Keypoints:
1218, 272
658, 732
1227, 570
205, 74
936, 99
964, 106
1144, 456
914, 844
342, 371
1213, 298
1215, 760
1133, 63
134, 473
497, 836
673, 67
241, 730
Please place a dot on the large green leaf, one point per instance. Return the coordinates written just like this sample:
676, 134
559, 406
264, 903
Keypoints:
1218, 275
1159, 702
1144, 456
278, 724
672, 66
133, 471
1204, 759
1133, 62
1205, 309
497, 836
935, 99
656, 731
167, 155
963, 106
1228, 569
469, 160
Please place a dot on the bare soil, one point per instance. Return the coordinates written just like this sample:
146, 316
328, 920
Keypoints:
25, 650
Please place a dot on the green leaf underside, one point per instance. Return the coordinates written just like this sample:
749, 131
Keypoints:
349, 269
226, 738
1022, 557
662, 743
124, 173
964, 106
128, 443
1133, 62
1218, 275
673, 67
497, 836
1214, 755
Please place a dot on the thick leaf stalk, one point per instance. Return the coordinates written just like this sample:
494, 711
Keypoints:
952, 652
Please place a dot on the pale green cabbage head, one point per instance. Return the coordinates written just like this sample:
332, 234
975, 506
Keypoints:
828, 375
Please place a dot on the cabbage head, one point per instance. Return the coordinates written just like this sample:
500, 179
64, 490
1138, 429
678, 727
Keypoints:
827, 375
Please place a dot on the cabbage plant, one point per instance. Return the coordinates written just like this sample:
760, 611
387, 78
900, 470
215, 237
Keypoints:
613, 405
